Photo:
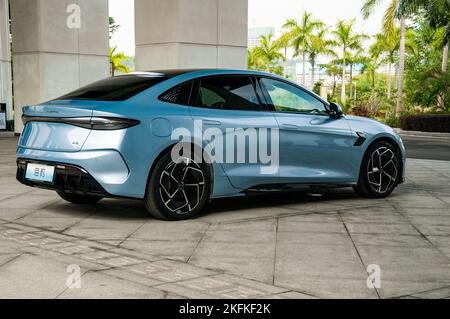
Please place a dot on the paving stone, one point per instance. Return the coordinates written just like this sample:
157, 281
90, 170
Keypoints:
32, 277
100, 285
434, 294
168, 271
401, 288
381, 228
246, 249
390, 240
221, 286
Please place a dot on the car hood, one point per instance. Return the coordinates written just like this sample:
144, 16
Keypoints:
369, 126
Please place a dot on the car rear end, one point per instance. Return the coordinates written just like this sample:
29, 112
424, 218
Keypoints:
76, 144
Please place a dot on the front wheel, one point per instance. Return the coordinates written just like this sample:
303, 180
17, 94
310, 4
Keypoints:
177, 188
380, 171
79, 199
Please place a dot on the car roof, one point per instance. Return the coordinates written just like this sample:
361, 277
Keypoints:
204, 71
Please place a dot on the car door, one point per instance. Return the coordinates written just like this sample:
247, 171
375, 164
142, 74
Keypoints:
314, 147
229, 104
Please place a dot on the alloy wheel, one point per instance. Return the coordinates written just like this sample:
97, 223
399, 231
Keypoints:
182, 185
382, 170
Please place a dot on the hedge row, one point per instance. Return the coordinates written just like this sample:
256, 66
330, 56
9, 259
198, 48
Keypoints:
426, 122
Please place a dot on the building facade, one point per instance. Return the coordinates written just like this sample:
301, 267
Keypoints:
60, 45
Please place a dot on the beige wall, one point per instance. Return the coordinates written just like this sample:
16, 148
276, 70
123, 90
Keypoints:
50, 58
5, 60
191, 34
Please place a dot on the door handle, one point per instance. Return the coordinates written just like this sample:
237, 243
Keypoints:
289, 126
212, 122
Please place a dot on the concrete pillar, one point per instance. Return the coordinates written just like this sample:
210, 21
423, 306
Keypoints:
191, 34
58, 46
5, 60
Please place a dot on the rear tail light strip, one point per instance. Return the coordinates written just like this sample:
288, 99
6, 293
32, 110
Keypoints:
91, 123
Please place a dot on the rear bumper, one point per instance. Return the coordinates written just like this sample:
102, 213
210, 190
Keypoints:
103, 171
67, 178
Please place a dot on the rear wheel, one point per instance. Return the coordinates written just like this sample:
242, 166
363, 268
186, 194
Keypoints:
79, 199
178, 188
380, 171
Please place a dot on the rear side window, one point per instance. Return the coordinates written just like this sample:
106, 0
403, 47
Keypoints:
179, 94
227, 92
118, 88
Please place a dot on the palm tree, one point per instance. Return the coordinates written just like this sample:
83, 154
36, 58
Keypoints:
319, 45
283, 43
269, 51
266, 56
347, 40
253, 60
300, 33
354, 58
389, 46
117, 61
332, 69
390, 17
437, 13
370, 64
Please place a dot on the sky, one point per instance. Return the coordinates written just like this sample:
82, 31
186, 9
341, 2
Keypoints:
262, 13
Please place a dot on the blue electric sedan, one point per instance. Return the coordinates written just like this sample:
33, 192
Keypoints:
176, 139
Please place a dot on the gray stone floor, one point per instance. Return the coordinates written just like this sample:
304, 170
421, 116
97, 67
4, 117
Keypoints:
296, 245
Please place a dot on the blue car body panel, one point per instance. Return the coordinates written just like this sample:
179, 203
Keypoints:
314, 149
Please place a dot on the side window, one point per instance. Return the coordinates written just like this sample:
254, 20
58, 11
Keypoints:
288, 98
178, 95
228, 93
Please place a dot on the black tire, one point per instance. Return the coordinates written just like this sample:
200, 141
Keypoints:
79, 199
381, 159
174, 196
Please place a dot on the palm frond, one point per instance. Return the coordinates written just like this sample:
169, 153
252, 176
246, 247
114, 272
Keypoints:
389, 19
368, 7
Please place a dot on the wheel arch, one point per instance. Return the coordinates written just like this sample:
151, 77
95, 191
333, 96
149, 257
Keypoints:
394, 144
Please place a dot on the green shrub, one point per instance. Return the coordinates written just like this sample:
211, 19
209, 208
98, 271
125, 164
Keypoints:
426, 122
392, 121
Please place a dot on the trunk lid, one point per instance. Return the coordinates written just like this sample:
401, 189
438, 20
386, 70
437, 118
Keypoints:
54, 136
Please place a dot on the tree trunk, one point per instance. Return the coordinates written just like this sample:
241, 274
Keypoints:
389, 80
285, 63
445, 58
401, 68
395, 76
312, 72
373, 80
350, 92
334, 85
441, 97
343, 79
304, 69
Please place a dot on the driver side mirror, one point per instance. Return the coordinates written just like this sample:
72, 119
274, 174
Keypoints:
335, 110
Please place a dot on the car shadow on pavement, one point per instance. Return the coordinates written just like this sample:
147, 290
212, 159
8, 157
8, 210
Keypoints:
128, 209
277, 199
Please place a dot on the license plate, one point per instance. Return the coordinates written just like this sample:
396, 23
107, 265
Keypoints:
40, 172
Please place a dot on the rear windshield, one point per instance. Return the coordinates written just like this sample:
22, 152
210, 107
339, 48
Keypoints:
118, 88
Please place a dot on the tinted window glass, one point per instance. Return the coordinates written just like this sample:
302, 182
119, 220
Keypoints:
288, 98
178, 95
227, 92
114, 89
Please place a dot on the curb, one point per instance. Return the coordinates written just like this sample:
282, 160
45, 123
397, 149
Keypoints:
422, 134
6, 134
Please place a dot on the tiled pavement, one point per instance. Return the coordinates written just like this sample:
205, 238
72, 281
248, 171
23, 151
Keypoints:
295, 245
